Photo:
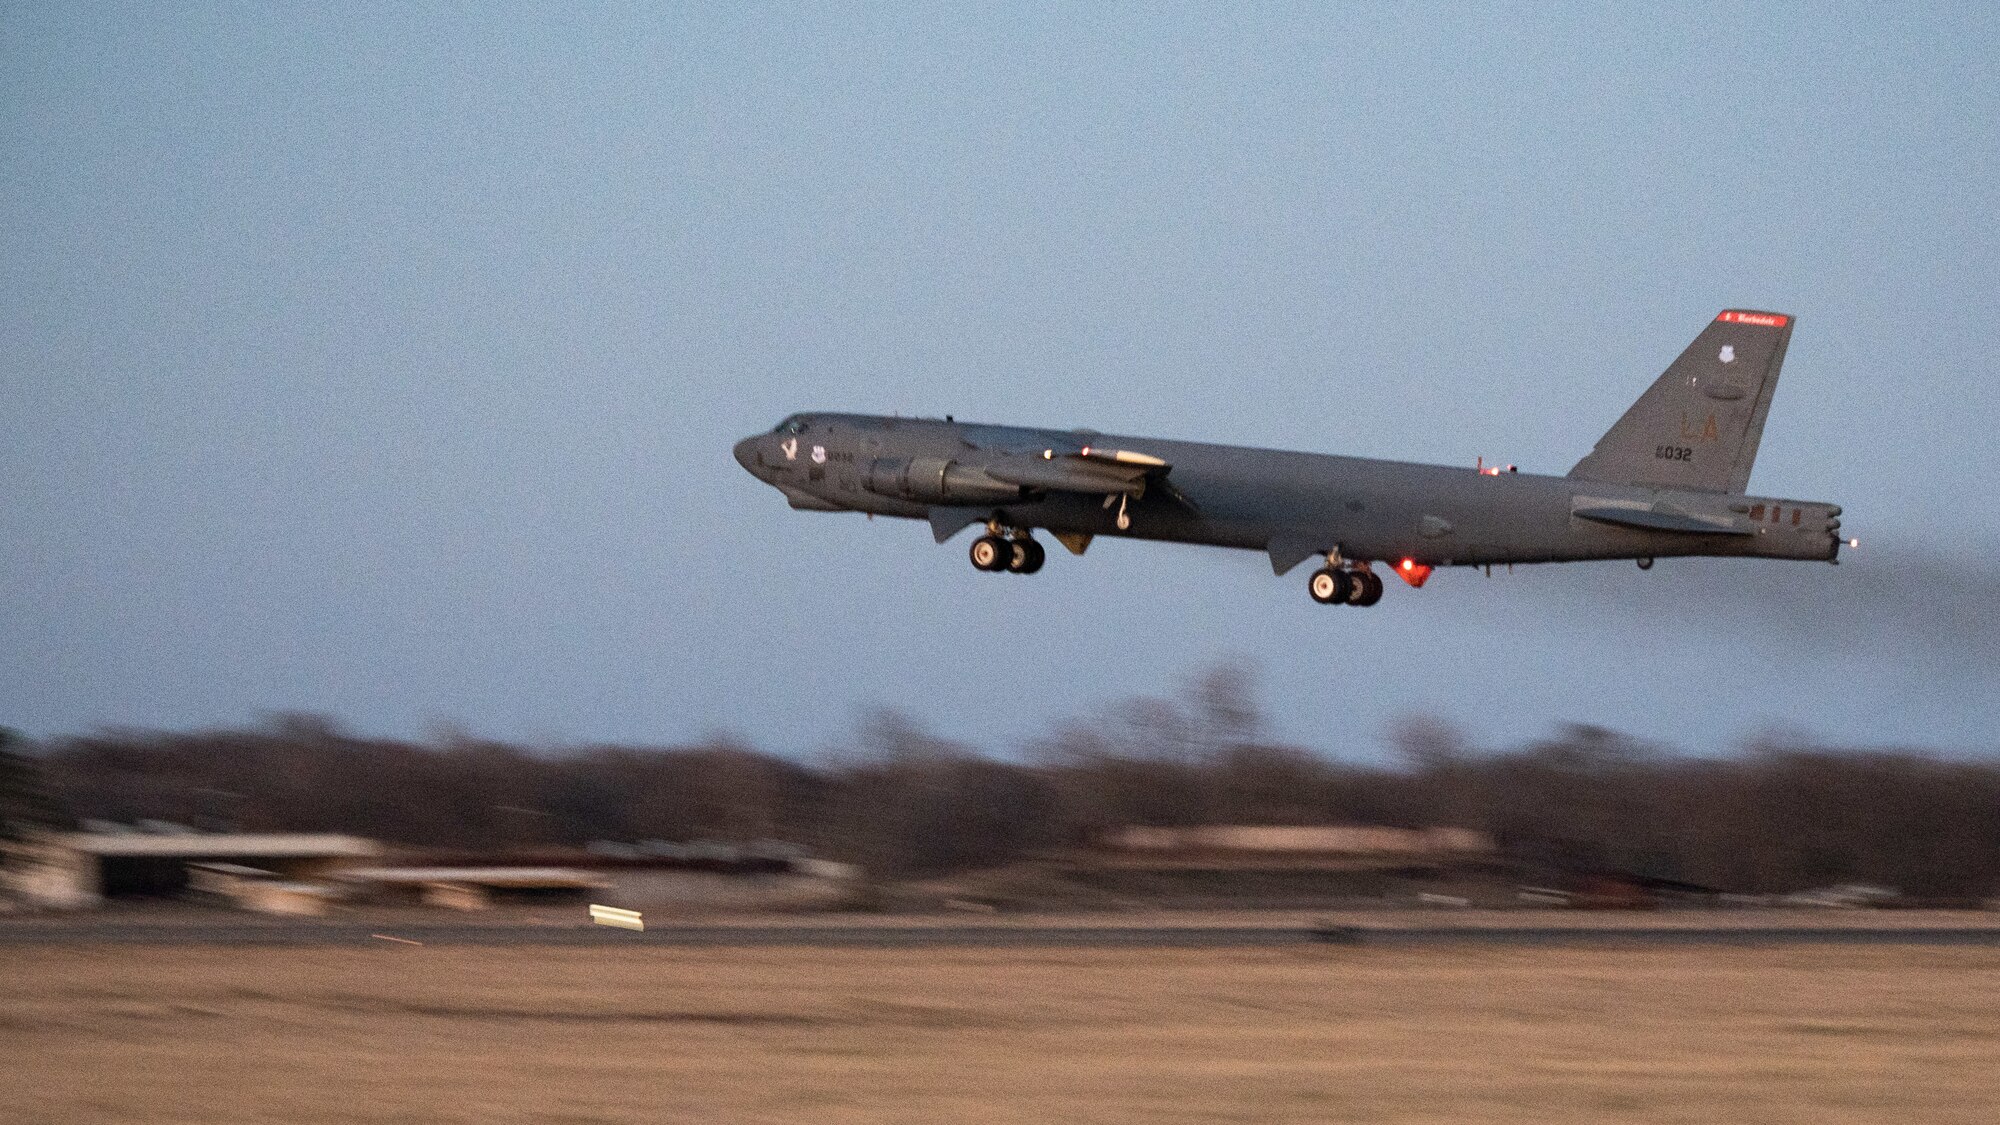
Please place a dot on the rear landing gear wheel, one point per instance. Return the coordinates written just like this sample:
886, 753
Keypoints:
1357, 588
1329, 586
1370, 590
991, 553
1026, 556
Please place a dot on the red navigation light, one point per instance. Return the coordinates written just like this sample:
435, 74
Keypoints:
1413, 572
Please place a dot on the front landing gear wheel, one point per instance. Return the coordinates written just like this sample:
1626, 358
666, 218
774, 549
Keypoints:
1329, 586
1026, 556
991, 553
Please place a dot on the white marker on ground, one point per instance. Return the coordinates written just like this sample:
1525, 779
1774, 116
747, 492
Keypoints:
616, 916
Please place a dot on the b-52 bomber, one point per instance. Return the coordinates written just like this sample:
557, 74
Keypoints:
1669, 479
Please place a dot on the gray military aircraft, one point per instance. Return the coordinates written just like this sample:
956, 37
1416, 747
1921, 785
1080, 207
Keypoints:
1668, 479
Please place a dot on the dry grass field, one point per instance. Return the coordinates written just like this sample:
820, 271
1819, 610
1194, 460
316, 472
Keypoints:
591, 1035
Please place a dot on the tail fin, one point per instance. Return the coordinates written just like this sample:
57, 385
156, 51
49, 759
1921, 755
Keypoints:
1698, 427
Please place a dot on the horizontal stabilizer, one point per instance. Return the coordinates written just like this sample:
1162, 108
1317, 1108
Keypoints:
1656, 516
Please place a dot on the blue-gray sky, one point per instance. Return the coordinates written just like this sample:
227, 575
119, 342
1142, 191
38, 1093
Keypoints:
384, 360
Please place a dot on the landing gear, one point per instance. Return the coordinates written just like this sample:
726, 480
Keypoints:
1645, 564
1123, 500
1369, 588
991, 553
1026, 556
1343, 583
996, 551
1329, 586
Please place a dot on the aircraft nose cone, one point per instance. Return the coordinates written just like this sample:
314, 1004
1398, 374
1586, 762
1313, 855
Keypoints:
746, 455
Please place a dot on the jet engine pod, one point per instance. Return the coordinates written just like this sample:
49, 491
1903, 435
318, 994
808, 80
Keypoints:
936, 480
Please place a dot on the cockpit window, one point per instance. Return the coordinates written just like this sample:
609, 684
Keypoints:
792, 425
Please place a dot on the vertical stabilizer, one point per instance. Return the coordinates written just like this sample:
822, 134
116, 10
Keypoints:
1698, 427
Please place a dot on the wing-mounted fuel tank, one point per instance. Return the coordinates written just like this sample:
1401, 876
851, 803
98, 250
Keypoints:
938, 480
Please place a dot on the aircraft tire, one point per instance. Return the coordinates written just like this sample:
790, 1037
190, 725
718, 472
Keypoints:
1027, 558
1371, 588
1328, 586
1357, 588
990, 553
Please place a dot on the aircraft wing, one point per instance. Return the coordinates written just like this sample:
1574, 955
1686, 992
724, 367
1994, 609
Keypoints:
1103, 472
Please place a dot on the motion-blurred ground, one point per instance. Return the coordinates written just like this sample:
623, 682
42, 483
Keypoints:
592, 1035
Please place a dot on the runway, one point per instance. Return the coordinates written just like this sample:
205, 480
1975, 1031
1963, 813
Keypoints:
68, 932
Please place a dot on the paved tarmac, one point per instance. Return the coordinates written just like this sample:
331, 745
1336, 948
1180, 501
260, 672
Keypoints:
80, 932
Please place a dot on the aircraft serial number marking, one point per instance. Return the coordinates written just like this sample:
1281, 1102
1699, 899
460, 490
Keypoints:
1673, 453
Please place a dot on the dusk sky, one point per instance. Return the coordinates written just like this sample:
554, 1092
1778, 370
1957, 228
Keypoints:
384, 361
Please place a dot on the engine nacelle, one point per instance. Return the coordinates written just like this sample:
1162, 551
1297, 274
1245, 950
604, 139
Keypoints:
936, 480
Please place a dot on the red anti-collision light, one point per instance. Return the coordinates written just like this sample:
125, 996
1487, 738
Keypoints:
1413, 572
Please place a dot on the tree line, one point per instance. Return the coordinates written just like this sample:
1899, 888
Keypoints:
1772, 817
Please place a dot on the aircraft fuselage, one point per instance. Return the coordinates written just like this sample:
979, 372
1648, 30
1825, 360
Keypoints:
1669, 478
1293, 505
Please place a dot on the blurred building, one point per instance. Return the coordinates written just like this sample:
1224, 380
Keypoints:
71, 870
309, 873
1264, 843
691, 878
472, 887
1231, 867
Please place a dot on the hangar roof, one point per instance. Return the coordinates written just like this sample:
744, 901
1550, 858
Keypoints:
479, 876
218, 845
